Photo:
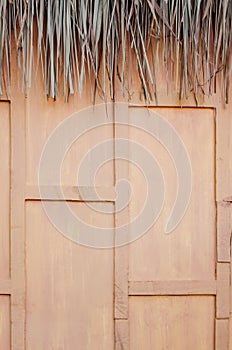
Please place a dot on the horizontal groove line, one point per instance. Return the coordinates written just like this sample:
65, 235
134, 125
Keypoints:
71, 193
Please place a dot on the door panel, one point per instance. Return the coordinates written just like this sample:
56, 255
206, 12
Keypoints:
69, 287
47, 118
189, 251
172, 323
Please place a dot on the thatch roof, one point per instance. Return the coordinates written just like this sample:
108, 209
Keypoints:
96, 38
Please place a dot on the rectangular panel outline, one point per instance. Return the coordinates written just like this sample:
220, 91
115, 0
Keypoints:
187, 297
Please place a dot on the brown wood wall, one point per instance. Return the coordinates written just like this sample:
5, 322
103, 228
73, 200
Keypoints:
161, 292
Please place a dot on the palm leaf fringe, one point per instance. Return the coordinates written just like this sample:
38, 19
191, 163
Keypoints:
71, 40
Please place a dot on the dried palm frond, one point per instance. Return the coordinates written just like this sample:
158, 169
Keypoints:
75, 39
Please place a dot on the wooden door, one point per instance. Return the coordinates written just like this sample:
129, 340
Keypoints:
158, 292
173, 291
61, 292
70, 301
172, 277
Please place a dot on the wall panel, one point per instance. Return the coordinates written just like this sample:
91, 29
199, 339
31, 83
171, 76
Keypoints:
172, 323
189, 251
69, 288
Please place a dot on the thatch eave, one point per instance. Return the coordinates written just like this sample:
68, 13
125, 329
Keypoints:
74, 39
